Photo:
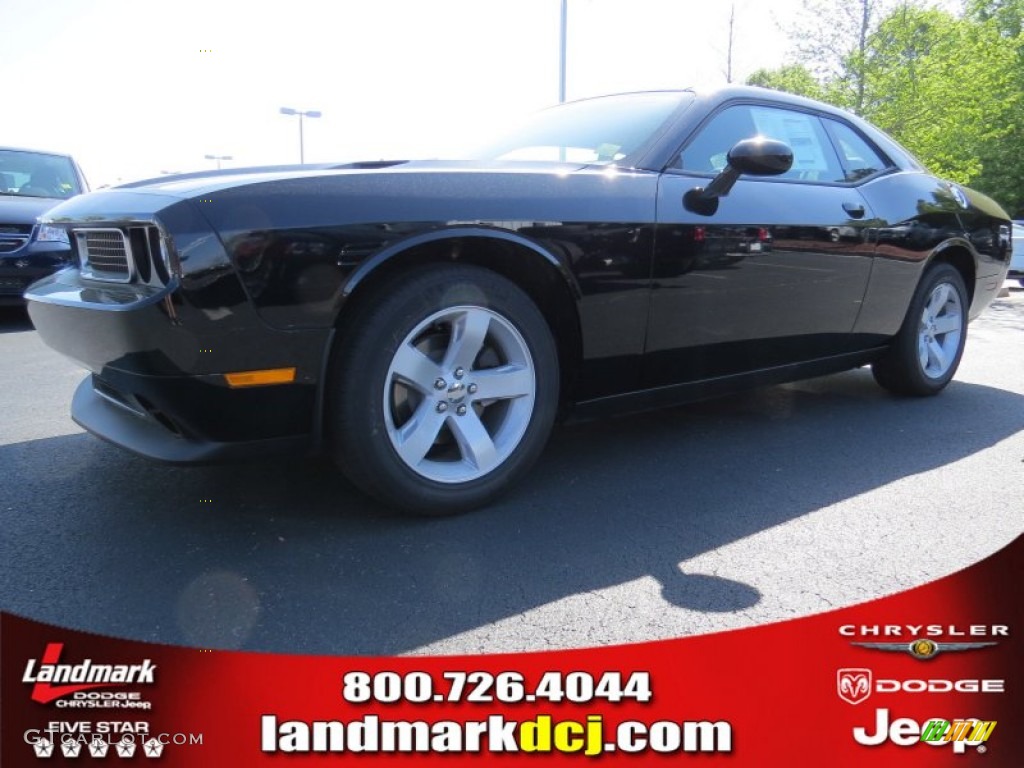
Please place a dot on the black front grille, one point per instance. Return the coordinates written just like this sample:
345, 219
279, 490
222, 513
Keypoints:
134, 254
12, 243
105, 254
140, 248
14, 236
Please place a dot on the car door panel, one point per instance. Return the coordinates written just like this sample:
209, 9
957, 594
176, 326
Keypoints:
775, 273
776, 276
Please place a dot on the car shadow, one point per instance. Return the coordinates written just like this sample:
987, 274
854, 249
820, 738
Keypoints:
286, 556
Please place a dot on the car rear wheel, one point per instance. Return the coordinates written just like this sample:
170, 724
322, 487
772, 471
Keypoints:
926, 352
443, 390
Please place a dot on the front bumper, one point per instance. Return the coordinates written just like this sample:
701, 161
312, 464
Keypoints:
158, 360
122, 420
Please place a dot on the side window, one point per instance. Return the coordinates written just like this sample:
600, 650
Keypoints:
706, 153
814, 158
858, 158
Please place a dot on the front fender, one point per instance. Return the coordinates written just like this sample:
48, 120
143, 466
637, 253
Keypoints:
459, 234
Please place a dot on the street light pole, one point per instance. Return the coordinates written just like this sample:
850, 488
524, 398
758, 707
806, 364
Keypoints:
218, 158
561, 52
301, 114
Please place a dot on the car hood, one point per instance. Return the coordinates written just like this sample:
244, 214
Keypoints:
354, 193
23, 210
200, 184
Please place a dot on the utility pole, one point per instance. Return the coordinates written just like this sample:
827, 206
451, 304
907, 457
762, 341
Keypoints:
301, 114
561, 52
732, 23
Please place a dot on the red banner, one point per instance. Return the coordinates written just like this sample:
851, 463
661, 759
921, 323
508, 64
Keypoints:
929, 677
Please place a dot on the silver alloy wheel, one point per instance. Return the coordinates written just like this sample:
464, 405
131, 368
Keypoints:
940, 330
459, 394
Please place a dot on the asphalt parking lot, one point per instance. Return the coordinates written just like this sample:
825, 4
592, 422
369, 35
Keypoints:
775, 504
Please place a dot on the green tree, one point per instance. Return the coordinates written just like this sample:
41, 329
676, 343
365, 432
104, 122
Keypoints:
1007, 15
1002, 172
942, 85
831, 39
950, 88
792, 78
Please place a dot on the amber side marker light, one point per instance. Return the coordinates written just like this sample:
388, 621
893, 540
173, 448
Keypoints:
260, 378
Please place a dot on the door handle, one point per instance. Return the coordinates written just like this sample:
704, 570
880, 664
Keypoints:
856, 210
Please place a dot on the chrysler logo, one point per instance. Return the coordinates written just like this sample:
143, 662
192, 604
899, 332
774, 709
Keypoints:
923, 648
853, 685
21, 263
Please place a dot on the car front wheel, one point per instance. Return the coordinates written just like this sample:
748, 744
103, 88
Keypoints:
443, 390
926, 352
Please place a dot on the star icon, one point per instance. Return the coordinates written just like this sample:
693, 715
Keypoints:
154, 748
43, 748
71, 748
125, 748
99, 747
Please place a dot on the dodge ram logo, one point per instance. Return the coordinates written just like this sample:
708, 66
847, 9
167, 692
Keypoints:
853, 685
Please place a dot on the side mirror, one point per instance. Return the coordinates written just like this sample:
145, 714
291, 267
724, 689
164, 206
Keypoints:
751, 157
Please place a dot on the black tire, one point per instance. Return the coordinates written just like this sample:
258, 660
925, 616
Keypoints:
386, 397
901, 370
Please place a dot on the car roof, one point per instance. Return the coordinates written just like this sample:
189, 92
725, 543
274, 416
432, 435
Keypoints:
710, 100
34, 151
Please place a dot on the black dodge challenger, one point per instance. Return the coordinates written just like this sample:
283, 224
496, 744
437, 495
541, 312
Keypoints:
426, 322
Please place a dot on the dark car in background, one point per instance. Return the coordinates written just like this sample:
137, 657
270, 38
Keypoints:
425, 322
31, 183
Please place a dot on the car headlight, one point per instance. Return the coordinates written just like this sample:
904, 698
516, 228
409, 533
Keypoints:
48, 234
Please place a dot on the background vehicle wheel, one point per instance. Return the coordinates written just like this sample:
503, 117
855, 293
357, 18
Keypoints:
926, 352
443, 389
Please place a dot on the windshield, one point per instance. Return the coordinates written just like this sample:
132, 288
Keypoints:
603, 130
37, 174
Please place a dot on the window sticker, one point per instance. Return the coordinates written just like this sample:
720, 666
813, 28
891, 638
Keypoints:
797, 130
